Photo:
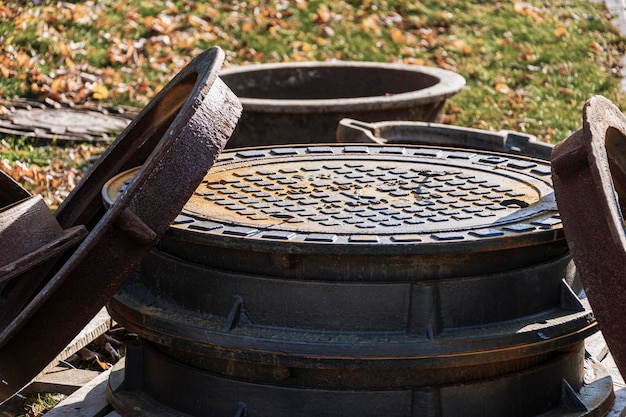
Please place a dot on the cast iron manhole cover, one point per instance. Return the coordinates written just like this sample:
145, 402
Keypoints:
372, 195
36, 119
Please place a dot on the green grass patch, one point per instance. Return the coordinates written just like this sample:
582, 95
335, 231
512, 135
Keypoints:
30, 405
529, 66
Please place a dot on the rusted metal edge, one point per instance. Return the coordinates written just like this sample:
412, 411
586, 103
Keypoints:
31, 241
46, 252
589, 174
10, 191
436, 134
177, 138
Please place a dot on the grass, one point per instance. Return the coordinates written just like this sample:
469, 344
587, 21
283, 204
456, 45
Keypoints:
31, 405
529, 66
26, 151
45, 169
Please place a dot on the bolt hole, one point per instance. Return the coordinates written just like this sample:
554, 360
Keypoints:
514, 203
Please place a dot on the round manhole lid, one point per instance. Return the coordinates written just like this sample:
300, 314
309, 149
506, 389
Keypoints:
377, 195
64, 123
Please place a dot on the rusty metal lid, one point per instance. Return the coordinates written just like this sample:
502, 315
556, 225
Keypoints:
10, 191
589, 179
177, 138
392, 133
364, 199
371, 195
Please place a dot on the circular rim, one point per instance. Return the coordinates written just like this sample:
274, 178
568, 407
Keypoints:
595, 397
589, 180
450, 83
536, 224
188, 331
436, 134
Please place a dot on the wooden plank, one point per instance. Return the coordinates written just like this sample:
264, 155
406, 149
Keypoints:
62, 380
596, 346
88, 401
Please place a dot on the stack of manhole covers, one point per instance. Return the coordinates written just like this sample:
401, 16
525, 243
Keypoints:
360, 280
